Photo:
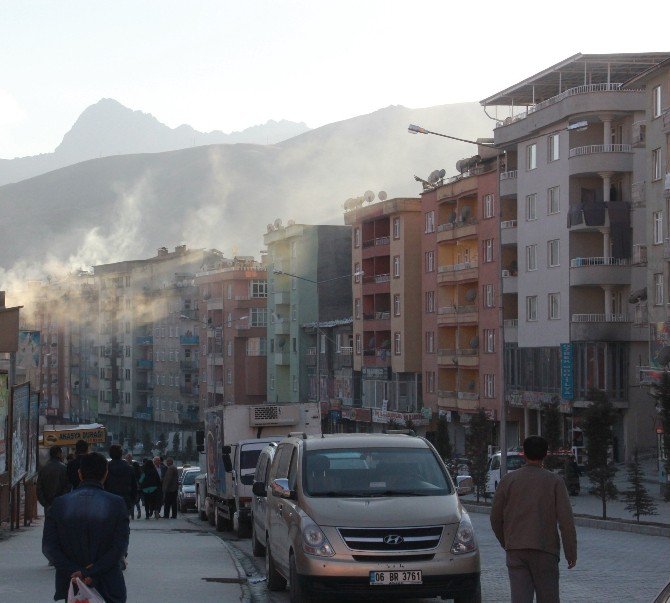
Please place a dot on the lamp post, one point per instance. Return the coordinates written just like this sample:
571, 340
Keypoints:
575, 127
318, 328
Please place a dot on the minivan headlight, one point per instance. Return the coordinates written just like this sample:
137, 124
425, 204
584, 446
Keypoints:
464, 541
314, 541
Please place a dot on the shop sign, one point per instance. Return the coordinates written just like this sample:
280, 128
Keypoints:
376, 373
363, 415
567, 381
401, 418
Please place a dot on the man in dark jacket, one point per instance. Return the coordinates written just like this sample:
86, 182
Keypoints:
80, 449
52, 480
121, 478
137, 470
86, 534
170, 486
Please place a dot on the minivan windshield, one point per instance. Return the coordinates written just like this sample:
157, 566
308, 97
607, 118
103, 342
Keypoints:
374, 472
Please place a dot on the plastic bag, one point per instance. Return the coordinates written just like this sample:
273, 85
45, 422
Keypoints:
85, 594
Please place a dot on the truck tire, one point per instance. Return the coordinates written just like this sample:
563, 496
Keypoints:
275, 581
219, 520
210, 514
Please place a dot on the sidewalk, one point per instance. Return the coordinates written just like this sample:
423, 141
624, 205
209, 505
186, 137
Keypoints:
168, 561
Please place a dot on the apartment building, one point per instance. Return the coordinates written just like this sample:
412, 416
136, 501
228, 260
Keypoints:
569, 178
230, 322
386, 249
460, 294
309, 281
148, 360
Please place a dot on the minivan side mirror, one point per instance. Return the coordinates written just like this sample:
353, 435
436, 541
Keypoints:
227, 462
259, 489
281, 488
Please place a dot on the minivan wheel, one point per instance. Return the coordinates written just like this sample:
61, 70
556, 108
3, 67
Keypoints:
473, 596
256, 547
297, 591
275, 580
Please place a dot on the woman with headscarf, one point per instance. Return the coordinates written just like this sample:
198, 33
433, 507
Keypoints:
150, 484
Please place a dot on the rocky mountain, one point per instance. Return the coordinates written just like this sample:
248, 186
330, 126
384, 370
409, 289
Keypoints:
108, 128
126, 206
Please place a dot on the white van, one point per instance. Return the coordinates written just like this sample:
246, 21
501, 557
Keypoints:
514, 461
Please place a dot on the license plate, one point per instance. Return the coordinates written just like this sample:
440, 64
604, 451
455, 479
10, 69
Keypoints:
392, 578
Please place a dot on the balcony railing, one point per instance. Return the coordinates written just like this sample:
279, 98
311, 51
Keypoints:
600, 148
508, 224
458, 267
510, 175
468, 309
145, 364
144, 387
600, 318
447, 393
457, 352
144, 340
188, 365
348, 350
311, 351
579, 262
377, 278
377, 241
189, 340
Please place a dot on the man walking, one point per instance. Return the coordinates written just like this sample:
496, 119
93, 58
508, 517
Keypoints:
121, 478
137, 470
52, 480
80, 449
161, 468
528, 505
86, 534
170, 486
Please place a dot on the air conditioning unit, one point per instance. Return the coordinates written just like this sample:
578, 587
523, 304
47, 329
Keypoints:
268, 414
506, 273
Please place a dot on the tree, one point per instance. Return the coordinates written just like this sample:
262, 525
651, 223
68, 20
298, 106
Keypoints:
551, 427
637, 498
442, 441
477, 441
599, 417
147, 443
189, 447
175, 442
661, 393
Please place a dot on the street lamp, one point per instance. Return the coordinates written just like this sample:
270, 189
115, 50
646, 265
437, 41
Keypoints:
358, 273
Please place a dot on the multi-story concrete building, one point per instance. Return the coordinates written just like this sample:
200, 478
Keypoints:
386, 247
460, 294
309, 279
231, 322
569, 175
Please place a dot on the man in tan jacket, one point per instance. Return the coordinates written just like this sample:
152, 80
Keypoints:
527, 507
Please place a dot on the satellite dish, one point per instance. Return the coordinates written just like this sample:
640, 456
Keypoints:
474, 342
434, 176
471, 295
381, 195
369, 196
348, 204
270, 227
278, 223
290, 223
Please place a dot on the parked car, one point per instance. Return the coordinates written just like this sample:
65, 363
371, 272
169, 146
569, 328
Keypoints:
201, 495
186, 492
259, 500
375, 514
515, 460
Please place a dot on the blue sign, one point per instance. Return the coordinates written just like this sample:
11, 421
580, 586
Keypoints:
567, 379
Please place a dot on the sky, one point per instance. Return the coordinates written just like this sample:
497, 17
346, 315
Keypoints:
228, 65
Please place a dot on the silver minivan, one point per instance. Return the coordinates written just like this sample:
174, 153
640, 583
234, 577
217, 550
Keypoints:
259, 500
367, 514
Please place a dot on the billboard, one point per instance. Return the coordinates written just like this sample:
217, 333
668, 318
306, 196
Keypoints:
33, 432
4, 410
28, 354
19, 417
93, 434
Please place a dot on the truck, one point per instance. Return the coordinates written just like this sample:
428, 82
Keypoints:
234, 437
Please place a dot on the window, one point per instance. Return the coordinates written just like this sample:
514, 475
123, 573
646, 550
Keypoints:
531, 257
553, 200
229, 291
295, 383
489, 206
531, 308
554, 306
294, 313
488, 296
531, 207
396, 304
430, 381
259, 289
295, 345
658, 289
229, 320
259, 317
656, 101
322, 338
229, 376
656, 164
430, 222
396, 228
553, 253
358, 343
397, 349
230, 348
553, 147
127, 374
488, 250
396, 266
658, 227
489, 386
127, 351
256, 346
357, 272
430, 342
490, 340
357, 308
531, 156
357, 237
294, 283
430, 301
430, 261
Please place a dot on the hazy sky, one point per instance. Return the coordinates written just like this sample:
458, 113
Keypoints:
228, 65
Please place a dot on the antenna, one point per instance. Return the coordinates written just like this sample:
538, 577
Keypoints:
369, 196
270, 228
381, 195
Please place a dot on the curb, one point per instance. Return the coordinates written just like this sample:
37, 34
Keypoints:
600, 524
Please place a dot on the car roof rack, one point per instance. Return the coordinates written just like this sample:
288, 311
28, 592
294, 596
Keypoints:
409, 432
297, 434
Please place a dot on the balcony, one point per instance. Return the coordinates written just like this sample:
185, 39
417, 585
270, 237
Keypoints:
188, 365
510, 283
282, 298
640, 255
595, 158
144, 364
214, 304
310, 357
508, 183
189, 340
377, 278
144, 340
464, 357
143, 414
282, 326
282, 358
453, 315
189, 390
508, 232
457, 230
378, 246
377, 357
455, 273
511, 326
144, 387
188, 416
600, 327
599, 271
